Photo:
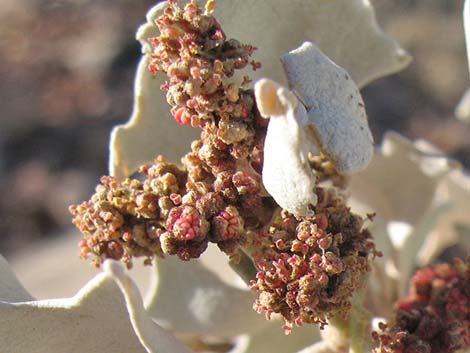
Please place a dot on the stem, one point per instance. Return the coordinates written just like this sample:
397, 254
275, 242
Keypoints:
244, 267
359, 321
350, 335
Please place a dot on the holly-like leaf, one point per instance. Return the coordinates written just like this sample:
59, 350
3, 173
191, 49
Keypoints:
345, 30
106, 315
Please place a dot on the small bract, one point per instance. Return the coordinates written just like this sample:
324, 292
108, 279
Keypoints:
287, 175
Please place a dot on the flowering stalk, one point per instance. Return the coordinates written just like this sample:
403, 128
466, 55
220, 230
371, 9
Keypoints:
307, 268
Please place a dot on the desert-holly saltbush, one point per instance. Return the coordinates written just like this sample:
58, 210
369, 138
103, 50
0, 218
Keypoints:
268, 182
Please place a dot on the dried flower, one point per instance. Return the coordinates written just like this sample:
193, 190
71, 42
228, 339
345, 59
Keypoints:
435, 317
314, 265
218, 192
125, 220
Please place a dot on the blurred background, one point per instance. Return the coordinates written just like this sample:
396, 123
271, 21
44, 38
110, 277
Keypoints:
67, 67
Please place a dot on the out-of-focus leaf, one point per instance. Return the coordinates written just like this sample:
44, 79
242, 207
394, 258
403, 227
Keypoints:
462, 111
400, 186
11, 290
106, 315
345, 30
455, 191
272, 339
319, 347
189, 298
400, 182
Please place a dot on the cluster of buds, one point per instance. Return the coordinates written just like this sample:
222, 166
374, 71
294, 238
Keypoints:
195, 54
314, 265
308, 267
219, 190
125, 219
435, 317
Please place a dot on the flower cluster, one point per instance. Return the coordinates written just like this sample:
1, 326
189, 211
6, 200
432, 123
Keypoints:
308, 267
435, 317
125, 219
219, 192
194, 52
314, 265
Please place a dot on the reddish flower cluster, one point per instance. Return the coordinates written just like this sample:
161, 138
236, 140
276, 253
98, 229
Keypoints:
125, 220
308, 268
435, 317
313, 266
219, 193
195, 54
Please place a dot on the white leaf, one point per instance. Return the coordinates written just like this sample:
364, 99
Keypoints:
189, 298
287, 175
336, 112
11, 290
104, 316
401, 180
319, 347
454, 191
273, 339
345, 30
150, 131
400, 185
462, 111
